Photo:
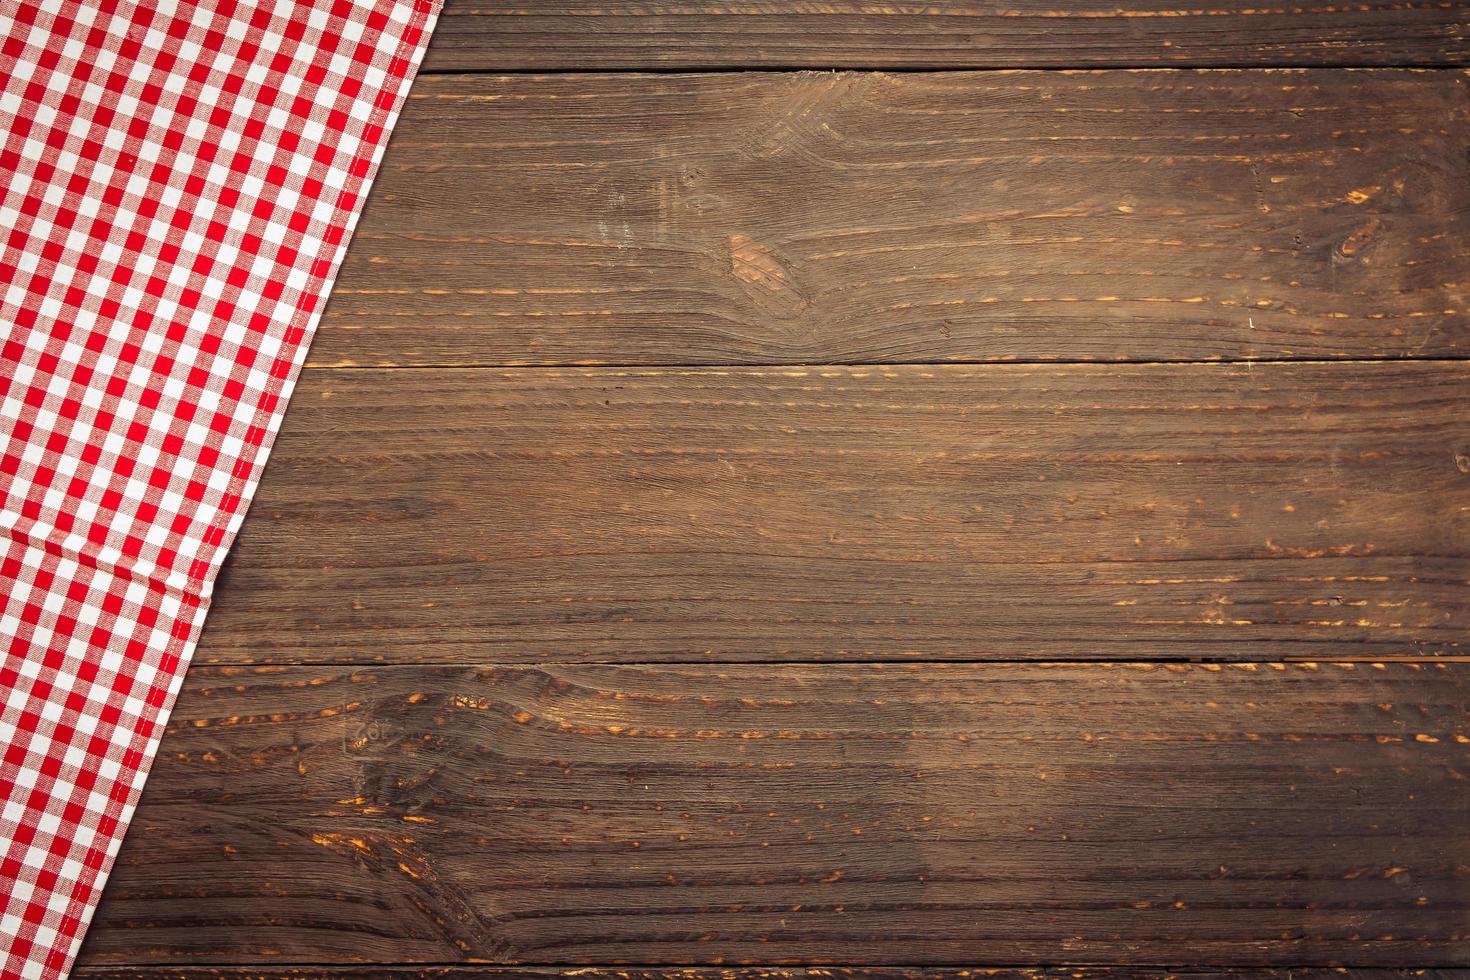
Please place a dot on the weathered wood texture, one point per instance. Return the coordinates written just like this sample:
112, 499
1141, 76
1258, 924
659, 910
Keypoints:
483, 972
1242, 814
1258, 815
513, 34
1230, 511
480, 972
818, 218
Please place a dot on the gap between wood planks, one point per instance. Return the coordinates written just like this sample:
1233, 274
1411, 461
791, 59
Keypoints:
878, 365
1222, 662
935, 69
1201, 661
621, 971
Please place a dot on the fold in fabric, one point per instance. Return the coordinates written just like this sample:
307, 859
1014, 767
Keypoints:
179, 184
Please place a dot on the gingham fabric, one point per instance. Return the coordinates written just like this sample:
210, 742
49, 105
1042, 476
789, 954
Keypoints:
179, 184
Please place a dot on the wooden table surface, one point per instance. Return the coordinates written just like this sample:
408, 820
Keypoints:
847, 491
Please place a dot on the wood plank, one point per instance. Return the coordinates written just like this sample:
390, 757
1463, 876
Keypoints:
580, 34
1249, 814
970, 512
480, 972
834, 218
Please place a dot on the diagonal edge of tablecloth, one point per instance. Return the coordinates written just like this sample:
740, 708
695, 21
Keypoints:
137, 417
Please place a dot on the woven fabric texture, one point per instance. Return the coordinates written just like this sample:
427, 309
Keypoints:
179, 184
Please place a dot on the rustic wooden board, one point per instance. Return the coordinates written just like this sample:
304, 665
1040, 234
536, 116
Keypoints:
972, 512
478, 972
482, 972
1244, 814
571, 34
819, 218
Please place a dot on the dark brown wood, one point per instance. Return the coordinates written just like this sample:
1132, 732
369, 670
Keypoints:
1245, 815
1260, 973
1249, 814
572, 34
482, 972
479, 972
970, 512
1294, 973
819, 218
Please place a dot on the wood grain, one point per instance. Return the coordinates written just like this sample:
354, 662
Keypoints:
481, 972
474, 971
1251, 814
579, 34
855, 218
1230, 511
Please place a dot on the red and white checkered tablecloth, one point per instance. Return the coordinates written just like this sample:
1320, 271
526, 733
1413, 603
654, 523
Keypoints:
179, 183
